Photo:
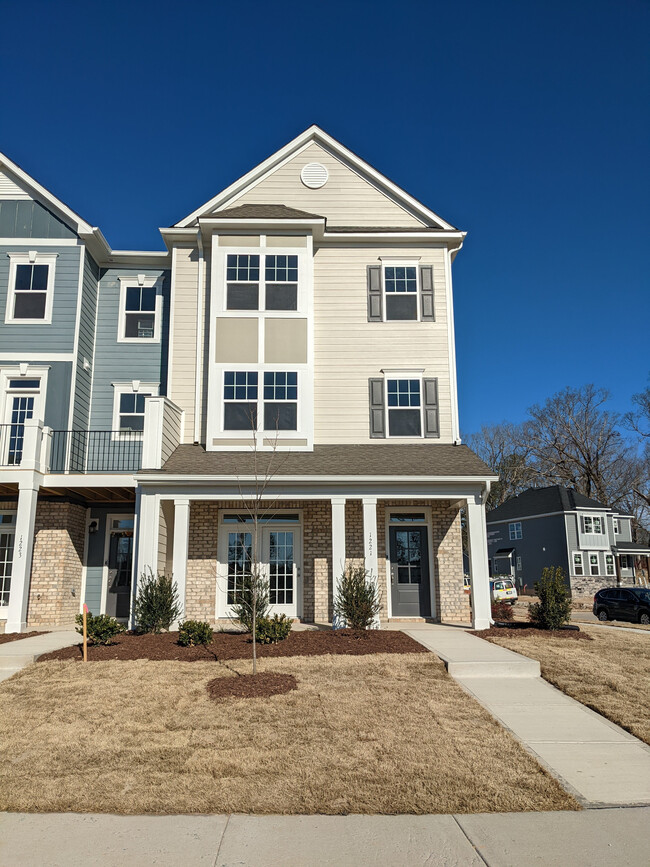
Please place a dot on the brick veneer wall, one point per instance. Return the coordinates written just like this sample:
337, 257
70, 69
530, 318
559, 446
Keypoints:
57, 564
588, 585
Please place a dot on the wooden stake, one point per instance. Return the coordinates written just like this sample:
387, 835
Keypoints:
85, 634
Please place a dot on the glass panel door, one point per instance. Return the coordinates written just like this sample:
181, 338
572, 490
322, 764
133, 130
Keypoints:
22, 408
6, 563
281, 553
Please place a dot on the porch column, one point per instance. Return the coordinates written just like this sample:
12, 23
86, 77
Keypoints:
181, 547
338, 546
147, 520
21, 568
370, 542
478, 563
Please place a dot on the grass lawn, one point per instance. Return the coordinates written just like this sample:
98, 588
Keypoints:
387, 733
610, 674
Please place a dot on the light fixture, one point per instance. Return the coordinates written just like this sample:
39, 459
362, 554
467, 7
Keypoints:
93, 527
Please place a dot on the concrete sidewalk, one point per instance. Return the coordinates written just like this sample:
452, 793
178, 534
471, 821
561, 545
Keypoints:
15, 655
587, 839
598, 762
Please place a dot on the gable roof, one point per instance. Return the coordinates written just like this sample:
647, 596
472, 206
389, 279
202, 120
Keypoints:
316, 134
264, 212
543, 501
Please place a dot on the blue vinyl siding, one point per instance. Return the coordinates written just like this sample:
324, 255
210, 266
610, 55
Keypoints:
57, 401
28, 219
58, 336
81, 415
123, 362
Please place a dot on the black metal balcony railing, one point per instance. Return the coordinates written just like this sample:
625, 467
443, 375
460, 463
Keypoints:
95, 451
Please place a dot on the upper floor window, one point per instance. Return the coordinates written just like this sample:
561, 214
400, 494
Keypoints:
514, 530
617, 527
240, 400
129, 406
593, 524
276, 403
261, 282
280, 401
140, 309
400, 290
31, 288
404, 407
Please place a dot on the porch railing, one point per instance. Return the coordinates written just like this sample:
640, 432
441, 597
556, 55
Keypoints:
95, 451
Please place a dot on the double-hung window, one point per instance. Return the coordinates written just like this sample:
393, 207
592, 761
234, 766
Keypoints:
593, 524
617, 527
131, 413
403, 397
140, 309
261, 282
400, 290
240, 400
515, 531
578, 566
276, 403
609, 564
129, 406
31, 288
280, 400
594, 565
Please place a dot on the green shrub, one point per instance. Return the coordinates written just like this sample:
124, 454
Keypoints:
501, 610
193, 632
270, 630
157, 605
100, 628
254, 590
357, 599
554, 607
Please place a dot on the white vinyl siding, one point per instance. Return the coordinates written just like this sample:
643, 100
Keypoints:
349, 350
345, 200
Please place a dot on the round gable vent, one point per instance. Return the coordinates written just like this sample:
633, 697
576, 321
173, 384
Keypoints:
314, 175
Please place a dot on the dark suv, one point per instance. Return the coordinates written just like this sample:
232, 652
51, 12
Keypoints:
623, 603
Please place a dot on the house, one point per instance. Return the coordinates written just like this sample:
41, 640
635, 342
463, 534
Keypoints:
296, 335
557, 526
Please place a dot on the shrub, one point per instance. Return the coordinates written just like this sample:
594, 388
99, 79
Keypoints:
501, 610
157, 605
254, 590
270, 630
357, 599
100, 628
193, 632
554, 607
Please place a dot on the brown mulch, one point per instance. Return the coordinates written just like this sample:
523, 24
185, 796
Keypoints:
525, 630
14, 636
235, 645
260, 685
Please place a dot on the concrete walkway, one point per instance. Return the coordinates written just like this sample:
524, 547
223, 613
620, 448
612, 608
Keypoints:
587, 839
15, 655
598, 762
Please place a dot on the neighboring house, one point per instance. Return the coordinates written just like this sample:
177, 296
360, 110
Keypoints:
557, 526
311, 300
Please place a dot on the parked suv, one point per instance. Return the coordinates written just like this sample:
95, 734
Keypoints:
623, 603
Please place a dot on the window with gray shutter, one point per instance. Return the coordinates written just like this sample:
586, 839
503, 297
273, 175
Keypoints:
431, 414
374, 294
426, 293
377, 414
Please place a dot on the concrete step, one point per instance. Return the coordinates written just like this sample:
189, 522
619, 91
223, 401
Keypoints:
507, 668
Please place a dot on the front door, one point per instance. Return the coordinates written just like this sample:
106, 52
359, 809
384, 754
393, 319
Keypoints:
409, 572
119, 563
6, 562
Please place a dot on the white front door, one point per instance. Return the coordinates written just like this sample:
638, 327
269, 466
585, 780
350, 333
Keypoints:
23, 401
282, 559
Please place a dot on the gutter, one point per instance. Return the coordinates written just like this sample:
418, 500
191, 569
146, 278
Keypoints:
198, 374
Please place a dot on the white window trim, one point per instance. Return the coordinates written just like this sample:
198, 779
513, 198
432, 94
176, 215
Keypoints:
593, 532
591, 554
411, 262
517, 529
403, 374
134, 387
30, 258
299, 433
222, 253
141, 281
607, 565
30, 372
575, 554
617, 527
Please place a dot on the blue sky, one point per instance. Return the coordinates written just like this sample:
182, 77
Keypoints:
526, 124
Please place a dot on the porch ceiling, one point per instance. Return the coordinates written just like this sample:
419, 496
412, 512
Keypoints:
93, 495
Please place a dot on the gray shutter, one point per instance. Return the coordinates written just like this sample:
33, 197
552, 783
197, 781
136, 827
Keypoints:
431, 418
426, 293
374, 293
377, 415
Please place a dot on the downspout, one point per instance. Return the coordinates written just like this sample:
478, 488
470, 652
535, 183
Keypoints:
198, 375
453, 375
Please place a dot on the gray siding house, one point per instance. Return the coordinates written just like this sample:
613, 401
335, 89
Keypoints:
557, 526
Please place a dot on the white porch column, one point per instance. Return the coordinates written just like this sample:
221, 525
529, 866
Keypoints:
147, 520
478, 563
181, 547
370, 542
21, 569
338, 546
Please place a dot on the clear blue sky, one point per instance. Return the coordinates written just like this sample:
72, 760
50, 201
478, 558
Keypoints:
525, 123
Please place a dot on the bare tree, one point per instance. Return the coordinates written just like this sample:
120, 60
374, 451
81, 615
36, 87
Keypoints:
638, 421
504, 450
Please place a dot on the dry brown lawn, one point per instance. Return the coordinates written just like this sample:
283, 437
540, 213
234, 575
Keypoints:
610, 674
374, 734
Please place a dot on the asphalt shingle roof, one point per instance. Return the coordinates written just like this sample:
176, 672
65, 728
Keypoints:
540, 501
381, 459
263, 212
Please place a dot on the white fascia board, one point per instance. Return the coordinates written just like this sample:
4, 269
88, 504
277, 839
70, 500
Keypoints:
89, 480
433, 234
40, 193
316, 134
168, 478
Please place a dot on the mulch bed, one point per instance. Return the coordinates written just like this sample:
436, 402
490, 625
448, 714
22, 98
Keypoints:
14, 636
525, 630
260, 685
234, 645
